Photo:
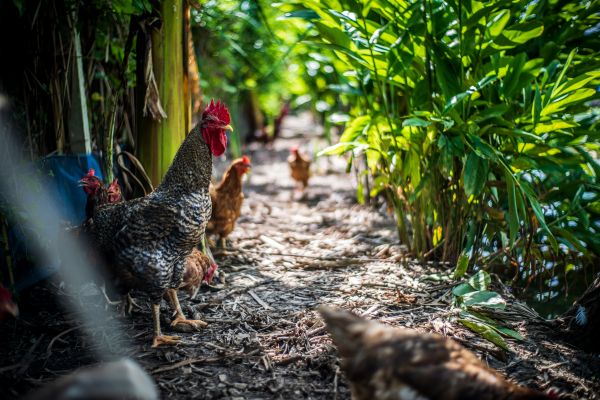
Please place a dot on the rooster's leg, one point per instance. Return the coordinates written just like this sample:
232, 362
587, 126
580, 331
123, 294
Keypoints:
159, 338
130, 304
181, 323
222, 243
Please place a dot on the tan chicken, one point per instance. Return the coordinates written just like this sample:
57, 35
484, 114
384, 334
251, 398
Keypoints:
227, 198
388, 363
299, 168
199, 268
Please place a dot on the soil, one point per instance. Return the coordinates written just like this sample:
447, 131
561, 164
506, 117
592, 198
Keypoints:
288, 254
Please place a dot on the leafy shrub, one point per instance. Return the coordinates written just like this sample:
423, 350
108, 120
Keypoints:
474, 118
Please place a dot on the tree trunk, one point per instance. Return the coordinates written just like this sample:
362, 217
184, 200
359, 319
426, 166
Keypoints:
159, 137
581, 323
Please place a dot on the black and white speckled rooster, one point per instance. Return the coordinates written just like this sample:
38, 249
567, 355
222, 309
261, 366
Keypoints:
146, 240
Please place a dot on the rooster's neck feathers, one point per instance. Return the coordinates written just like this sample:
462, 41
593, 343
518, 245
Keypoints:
192, 166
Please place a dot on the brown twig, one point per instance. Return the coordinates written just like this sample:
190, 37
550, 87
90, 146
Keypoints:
183, 363
49, 348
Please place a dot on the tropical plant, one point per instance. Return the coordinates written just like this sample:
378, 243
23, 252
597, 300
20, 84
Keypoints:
475, 121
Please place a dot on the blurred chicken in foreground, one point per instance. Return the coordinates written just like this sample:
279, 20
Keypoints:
299, 168
388, 363
122, 380
227, 198
7, 305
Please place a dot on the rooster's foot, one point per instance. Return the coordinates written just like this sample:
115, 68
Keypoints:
181, 324
165, 340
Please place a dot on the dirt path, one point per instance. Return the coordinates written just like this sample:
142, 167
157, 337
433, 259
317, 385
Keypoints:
265, 340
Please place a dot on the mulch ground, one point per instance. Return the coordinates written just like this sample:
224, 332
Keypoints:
264, 339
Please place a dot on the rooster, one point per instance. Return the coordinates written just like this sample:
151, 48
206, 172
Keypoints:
198, 267
382, 362
145, 241
7, 305
299, 167
227, 198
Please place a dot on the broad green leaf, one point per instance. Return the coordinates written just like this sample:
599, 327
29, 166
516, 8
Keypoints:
355, 128
462, 289
461, 266
475, 174
518, 34
564, 101
336, 149
563, 71
553, 126
480, 281
497, 24
485, 331
508, 332
577, 83
334, 35
304, 14
510, 83
482, 148
484, 298
415, 122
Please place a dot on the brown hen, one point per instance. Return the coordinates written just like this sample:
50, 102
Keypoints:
227, 198
299, 167
388, 363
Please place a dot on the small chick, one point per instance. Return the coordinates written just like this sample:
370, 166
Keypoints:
386, 363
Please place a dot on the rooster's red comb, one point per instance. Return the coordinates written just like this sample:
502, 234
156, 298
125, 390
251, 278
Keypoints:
245, 159
218, 110
91, 172
294, 149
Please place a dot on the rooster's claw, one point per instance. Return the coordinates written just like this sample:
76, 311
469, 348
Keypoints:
188, 325
164, 339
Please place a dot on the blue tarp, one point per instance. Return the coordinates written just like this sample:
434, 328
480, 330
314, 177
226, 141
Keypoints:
64, 173
60, 175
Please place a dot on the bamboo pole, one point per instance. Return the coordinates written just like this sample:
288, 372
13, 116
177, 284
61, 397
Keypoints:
160, 139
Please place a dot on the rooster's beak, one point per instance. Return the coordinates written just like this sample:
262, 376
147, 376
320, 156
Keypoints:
228, 128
